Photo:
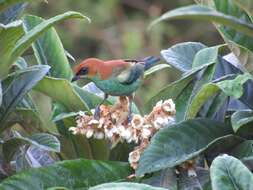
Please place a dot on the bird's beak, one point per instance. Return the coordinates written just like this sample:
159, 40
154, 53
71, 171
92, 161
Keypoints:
75, 78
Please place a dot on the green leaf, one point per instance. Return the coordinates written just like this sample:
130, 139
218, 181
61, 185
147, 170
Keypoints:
22, 82
228, 173
7, 3
1, 94
90, 99
241, 119
62, 91
206, 55
25, 41
174, 145
171, 91
232, 34
182, 55
9, 35
166, 178
41, 140
48, 49
62, 116
199, 12
232, 88
155, 69
125, 186
247, 5
30, 119
243, 55
243, 151
72, 174
201, 181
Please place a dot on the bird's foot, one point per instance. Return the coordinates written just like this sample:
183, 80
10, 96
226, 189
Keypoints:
97, 113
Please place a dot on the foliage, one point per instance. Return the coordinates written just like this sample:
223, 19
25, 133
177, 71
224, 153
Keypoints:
213, 100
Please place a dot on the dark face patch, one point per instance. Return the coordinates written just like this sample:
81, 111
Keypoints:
83, 71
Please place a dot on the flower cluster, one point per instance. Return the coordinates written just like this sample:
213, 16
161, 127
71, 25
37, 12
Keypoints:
114, 126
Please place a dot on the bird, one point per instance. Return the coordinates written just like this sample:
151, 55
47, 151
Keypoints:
121, 77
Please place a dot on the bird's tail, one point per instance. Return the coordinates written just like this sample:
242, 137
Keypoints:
150, 61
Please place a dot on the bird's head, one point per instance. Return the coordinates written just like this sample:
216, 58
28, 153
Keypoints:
87, 69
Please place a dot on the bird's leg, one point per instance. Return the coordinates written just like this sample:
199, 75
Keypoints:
129, 117
97, 109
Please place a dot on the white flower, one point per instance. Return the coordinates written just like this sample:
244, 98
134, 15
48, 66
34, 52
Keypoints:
137, 121
92, 111
145, 133
93, 122
158, 104
125, 133
101, 122
110, 132
169, 106
89, 133
160, 122
73, 130
99, 135
134, 156
147, 126
79, 123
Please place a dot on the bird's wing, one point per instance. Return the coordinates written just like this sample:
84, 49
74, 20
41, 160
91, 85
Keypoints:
130, 74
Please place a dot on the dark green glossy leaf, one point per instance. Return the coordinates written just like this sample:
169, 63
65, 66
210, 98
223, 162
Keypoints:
41, 140
155, 69
7, 3
200, 182
26, 40
206, 55
12, 13
21, 63
166, 178
48, 49
182, 55
31, 120
72, 174
1, 94
247, 5
22, 82
174, 144
204, 13
244, 150
232, 88
228, 173
62, 91
125, 186
228, 7
241, 119
171, 91
9, 35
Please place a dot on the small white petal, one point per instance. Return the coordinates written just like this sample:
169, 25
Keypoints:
93, 122
192, 173
134, 156
146, 133
92, 111
159, 103
99, 135
137, 121
147, 126
89, 133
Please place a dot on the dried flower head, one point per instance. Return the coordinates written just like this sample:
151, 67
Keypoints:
113, 125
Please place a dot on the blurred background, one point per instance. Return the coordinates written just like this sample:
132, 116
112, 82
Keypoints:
119, 30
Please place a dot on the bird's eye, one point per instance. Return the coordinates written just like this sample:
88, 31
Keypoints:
83, 71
